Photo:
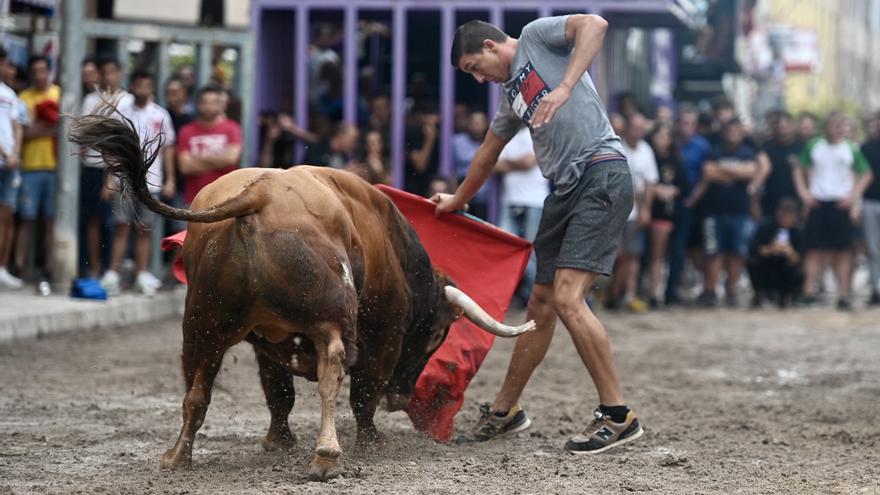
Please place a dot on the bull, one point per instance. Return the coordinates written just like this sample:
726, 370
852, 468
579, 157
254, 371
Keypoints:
314, 267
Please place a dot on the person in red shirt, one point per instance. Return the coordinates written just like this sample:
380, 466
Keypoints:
208, 147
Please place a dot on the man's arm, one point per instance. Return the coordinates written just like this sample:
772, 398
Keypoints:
169, 186
13, 156
190, 164
800, 183
586, 33
478, 172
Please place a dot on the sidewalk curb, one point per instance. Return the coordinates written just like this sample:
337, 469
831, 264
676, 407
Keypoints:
28, 316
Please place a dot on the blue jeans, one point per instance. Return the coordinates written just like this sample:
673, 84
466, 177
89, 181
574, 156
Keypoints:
523, 221
37, 193
10, 180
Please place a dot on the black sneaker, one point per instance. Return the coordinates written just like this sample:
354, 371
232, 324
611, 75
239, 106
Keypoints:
492, 426
730, 300
806, 300
844, 305
602, 434
875, 299
707, 300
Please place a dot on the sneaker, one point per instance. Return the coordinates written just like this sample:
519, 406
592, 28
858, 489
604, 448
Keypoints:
636, 305
843, 304
654, 303
493, 426
112, 283
875, 299
9, 281
147, 284
805, 300
707, 300
602, 434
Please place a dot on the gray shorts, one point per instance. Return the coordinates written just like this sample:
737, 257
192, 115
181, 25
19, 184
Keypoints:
582, 229
125, 212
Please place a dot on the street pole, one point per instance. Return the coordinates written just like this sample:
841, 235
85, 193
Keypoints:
67, 216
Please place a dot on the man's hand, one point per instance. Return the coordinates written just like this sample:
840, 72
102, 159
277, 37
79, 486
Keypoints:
549, 105
169, 189
809, 201
11, 161
446, 203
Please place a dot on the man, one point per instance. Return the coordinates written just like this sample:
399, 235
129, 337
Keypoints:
775, 256
548, 90
96, 195
871, 214
335, 152
208, 147
807, 127
422, 157
150, 120
781, 151
728, 173
643, 168
38, 163
523, 191
831, 180
464, 147
11, 121
89, 75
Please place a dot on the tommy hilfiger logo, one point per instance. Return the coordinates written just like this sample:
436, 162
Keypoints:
526, 92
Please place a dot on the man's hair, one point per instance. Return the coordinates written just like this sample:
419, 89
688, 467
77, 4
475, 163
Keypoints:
34, 59
108, 60
469, 39
787, 205
174, 79
730, 123
808, 115
210, 88
88, 59
140, 74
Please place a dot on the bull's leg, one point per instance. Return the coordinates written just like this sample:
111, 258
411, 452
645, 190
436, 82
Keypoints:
278, 386
201, 362
331, 356
365, 391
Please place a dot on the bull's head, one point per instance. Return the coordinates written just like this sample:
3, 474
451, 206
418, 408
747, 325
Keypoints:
448, 304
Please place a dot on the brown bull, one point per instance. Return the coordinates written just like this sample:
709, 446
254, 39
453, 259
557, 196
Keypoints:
314, 267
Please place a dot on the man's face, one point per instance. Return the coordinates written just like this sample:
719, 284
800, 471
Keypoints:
381, 108
836, 128
733, 134
90, 76
110, 76
783, 128
142, 89
40, 74
485, 66
210, 106
175, 94
477, 125
807, 127
687, 124
635, 129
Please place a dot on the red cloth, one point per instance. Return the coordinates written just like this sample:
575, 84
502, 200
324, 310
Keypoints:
198, 140
486, 263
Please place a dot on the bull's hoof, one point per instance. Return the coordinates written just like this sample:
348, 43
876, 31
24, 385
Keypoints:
323, 469
284, 441
173, 459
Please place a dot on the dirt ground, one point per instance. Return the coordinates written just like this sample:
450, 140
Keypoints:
732, 402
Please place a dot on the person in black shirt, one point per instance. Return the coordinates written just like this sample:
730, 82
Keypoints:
871, 207
669, 193
782, 151
728, 174
775, 255
422, 159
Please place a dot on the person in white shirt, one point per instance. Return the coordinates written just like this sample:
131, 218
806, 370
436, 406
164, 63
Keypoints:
643, 168
151, 121
95, 195
11, 132
524, 189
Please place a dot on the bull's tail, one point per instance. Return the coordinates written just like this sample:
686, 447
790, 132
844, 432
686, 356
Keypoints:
115, 139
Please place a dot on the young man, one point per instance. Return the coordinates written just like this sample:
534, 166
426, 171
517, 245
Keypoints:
11, 121
545, 87
831, 181
150, 120
464, 147
781, 151
871, 215
727, 229
775, 255
38, 163
208, 147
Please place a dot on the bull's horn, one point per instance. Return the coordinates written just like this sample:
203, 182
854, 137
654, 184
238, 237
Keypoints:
482, 319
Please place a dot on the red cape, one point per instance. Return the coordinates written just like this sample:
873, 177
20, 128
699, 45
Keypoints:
486, 263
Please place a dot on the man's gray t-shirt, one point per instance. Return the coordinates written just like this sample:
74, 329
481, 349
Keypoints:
580, 130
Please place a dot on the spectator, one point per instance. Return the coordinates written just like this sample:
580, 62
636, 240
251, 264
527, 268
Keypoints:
775, 256
524, 189
722, 113
177, 103
373, 165
643, 167
871, 213
380, 118
11, 132
38, 164
154, 127
90, 75
807, 127
669, 193
210, 146
831, 182
335, 152
187, 76
464, 147
421, 149
781, 151
279, 137
694, 149
439, 184
460, 115
728, 227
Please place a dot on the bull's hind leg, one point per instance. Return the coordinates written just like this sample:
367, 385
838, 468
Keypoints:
331, 356
202, 357
277, 384
365, 392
